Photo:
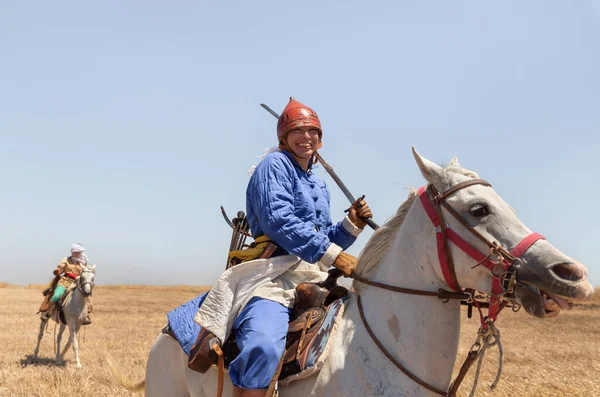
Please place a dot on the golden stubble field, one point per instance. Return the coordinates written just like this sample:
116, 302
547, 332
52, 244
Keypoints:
559, 357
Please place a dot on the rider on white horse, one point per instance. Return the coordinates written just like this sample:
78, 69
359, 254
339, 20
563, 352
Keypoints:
65, 274
289, 204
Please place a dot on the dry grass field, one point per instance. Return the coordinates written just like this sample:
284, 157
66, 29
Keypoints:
559, 357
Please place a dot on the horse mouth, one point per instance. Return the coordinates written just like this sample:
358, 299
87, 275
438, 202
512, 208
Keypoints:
541, 303
544, 291
553, 304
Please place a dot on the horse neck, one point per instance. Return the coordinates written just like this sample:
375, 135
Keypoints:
421, 332
77, 301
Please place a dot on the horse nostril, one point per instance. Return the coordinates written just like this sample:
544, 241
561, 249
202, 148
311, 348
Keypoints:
569, 271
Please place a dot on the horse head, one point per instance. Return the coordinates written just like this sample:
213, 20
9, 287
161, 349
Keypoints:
85, 281
528, 268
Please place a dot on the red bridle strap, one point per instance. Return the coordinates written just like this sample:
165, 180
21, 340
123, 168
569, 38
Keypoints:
524, 245
440, 239
497, 288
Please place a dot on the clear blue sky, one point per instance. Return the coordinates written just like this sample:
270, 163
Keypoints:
125, 125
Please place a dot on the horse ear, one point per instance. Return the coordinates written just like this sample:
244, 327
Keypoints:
454, 163
93, 268
429, 169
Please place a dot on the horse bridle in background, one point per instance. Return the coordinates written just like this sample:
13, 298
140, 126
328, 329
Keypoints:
81, 285
504, 273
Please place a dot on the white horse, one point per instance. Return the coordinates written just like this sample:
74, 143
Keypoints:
75, 310
419, 332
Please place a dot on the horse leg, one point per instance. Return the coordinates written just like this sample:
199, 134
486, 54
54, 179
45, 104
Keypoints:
69, 342
166, 369
59, 357
73, 331
40, 336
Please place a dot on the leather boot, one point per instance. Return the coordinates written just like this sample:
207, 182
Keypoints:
202, 356
47, 305
87, 320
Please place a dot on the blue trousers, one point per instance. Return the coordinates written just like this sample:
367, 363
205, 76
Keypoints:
260, 331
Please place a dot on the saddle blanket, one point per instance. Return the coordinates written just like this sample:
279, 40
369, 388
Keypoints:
183, 326
186, 330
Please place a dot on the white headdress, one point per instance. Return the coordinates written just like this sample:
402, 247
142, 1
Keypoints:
83, 257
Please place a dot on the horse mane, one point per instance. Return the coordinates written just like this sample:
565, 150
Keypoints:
381, 241
69, 293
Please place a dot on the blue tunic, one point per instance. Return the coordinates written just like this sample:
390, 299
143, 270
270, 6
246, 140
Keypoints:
291, 207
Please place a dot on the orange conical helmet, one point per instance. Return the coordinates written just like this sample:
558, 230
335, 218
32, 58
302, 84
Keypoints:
296, 115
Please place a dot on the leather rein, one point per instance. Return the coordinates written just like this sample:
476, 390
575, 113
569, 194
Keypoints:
504, 271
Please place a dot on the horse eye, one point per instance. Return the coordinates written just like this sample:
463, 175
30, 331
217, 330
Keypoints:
479, 210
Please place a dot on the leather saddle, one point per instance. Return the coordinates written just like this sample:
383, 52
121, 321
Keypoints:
313, 301
50, 308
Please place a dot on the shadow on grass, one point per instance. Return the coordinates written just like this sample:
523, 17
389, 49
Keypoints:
31, 360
